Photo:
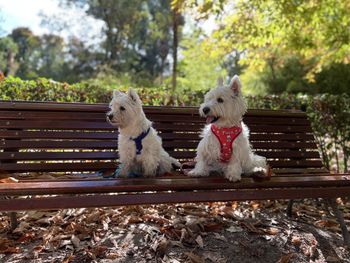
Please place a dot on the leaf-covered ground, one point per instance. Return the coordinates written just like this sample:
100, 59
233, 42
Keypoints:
205, 232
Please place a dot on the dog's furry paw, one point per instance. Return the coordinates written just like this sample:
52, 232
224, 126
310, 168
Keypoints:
233, 178
193, 173
196, 173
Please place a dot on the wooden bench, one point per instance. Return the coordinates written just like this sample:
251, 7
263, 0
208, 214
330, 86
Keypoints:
75, 147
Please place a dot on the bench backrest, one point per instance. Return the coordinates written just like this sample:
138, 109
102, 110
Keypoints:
59, 137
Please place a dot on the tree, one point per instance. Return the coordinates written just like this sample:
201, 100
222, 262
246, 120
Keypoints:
28, 52
317, 31
136, 35
8, 51
197, 70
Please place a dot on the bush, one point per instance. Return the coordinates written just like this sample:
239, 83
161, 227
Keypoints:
329, 114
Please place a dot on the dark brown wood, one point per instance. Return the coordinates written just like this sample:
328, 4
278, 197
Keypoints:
54, 124
75, 139
101, 200
47, 167
58, 155
103, 107
49, 134
88, 144
166, 184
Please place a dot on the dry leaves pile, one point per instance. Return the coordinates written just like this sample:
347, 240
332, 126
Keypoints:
206, 232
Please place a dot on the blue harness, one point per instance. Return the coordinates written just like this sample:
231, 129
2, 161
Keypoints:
138, 141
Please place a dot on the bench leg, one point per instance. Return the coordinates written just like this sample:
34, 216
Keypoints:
339, 215
13, 220
290, 208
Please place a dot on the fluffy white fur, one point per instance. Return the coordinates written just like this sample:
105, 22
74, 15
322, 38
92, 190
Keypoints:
226, 108
126, 113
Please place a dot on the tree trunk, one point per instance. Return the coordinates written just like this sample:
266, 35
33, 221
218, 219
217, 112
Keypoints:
10, 64
175, 46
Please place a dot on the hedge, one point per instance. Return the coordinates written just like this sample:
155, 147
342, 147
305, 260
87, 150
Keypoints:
329, 114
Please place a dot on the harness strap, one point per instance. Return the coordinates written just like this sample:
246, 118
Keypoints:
138, 141
226, 137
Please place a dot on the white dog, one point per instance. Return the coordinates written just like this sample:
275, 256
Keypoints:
140, 148
225, 146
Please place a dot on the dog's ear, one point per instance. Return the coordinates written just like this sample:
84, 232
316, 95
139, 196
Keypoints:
116, 93
220, 82
133, 95
235, 85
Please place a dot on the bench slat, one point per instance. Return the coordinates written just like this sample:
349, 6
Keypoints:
103, 107
113, 144
93, 166
59, 144
103, 125
44, 155
49, 134
58, 135
57, 155
100, 200
154, 116
166, 184
57, 166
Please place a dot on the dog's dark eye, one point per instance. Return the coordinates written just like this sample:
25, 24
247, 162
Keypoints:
122, 108
220, 100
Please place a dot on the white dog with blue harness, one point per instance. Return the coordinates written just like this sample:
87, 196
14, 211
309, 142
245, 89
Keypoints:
140, 148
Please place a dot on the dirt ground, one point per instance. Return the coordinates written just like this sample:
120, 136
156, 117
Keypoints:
207, 232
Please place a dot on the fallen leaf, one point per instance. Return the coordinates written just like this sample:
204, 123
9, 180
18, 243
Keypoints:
161, 246
286, 258
220, 237
234, 229
68, 259
333, 259
75, 241
296, 241
98, 251
27, 237
272, 231
326, 223
194, 258
199, 241
38, 249
212, 227
8, 247
22, 227
134, 220
112, 255
251, 228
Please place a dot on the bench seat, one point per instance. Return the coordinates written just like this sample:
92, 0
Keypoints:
62, 155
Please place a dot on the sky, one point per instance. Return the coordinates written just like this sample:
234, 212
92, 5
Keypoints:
17, 13
26, 13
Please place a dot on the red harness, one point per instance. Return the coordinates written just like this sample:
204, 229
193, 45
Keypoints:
226, 137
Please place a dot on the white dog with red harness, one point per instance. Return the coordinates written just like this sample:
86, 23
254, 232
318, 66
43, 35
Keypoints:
225, 146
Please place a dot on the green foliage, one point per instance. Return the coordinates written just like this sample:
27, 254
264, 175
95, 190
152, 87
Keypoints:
27, 56
330, 120
291, 78
7, 48
316, 31
197, 71
136, 37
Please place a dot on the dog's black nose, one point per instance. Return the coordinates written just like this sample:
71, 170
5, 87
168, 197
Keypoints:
206, 110
110, 116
